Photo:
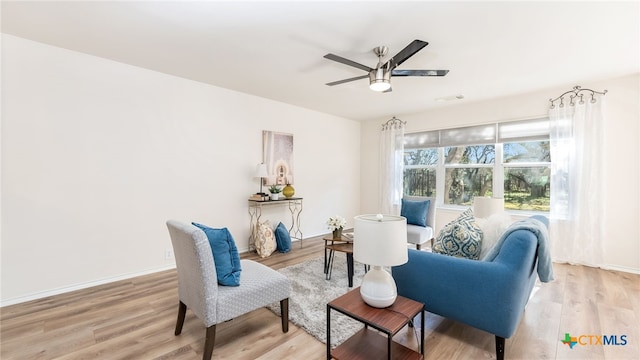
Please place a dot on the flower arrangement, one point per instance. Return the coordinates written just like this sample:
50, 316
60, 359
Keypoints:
336, 223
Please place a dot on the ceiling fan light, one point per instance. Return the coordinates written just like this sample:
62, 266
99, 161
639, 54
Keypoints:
380, 80
382, 85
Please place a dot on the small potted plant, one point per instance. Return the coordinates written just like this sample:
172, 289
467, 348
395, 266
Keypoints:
336, 224
275, 191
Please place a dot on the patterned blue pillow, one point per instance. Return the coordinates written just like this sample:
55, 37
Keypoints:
283, 239
461, 238
225, 255
415, 211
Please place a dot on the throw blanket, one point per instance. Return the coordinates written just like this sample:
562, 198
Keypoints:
545, 267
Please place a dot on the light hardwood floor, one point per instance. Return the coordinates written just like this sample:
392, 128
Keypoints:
135, 319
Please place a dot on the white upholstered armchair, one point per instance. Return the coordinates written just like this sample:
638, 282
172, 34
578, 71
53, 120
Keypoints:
199, 291
420, 224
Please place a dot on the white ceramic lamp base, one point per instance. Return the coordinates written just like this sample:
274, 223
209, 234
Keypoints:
378, 289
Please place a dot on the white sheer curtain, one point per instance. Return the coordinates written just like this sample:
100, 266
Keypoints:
391, 166
577, 226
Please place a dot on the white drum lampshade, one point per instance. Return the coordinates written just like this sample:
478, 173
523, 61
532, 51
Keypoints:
379, 240
261, 172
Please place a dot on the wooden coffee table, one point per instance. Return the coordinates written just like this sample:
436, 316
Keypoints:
367, 343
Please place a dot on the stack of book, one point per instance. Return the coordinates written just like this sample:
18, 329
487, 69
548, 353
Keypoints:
258, 197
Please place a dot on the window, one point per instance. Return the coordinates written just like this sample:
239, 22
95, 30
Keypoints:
527, 168
420, 172
510, 160
468, 173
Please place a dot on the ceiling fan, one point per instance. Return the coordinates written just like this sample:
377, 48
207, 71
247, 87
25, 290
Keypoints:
380, 76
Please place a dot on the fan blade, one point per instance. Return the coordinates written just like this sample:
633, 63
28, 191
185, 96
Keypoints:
347, 80
407, 52
419, 72
347, 62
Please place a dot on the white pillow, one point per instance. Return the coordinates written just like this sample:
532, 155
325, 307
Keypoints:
265, 241
492, 229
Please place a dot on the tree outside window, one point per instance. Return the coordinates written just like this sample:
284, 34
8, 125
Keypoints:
420, 172
469, 173
527, 179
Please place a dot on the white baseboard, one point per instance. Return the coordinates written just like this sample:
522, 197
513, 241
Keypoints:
66, 289
622, 269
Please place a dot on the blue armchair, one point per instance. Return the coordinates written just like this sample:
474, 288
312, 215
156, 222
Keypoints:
488, 295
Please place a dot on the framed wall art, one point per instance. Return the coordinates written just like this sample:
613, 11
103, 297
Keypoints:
277, 154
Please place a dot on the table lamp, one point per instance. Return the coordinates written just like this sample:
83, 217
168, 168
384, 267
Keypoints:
261, 172
484, 207
379, 240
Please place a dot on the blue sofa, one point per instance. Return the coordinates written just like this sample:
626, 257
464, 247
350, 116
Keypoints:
488, 295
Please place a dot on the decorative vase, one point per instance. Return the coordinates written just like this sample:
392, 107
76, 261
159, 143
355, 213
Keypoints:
337, 234
288, 191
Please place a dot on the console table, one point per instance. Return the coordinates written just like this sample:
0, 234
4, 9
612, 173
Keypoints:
255, 212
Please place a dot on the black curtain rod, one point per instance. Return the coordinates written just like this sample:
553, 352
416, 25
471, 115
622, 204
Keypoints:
576, 92
393, 121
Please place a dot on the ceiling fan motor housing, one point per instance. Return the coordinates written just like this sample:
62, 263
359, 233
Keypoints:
380, 79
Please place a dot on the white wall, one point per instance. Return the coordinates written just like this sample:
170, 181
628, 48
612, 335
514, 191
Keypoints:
622, 150
97, 155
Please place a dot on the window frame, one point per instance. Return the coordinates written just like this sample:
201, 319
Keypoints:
524, 164
504, 132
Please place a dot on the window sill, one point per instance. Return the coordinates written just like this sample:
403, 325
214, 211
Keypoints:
519, 213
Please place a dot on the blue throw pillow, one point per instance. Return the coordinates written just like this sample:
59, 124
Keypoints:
283, 239
415, 211
225, 255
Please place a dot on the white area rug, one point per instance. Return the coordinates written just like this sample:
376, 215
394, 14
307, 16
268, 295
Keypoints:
310, 293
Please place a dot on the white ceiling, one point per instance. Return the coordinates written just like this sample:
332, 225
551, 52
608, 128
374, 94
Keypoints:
275, 49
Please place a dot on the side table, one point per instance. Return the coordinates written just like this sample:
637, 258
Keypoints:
346, 248
369, 344
329, 243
